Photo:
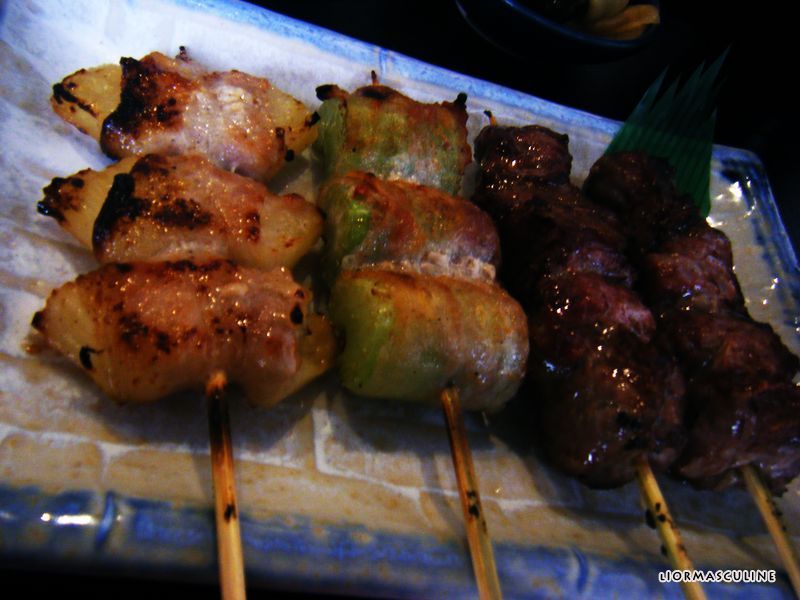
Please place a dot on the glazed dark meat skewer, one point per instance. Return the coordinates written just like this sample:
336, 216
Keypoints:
607, 394
742, 407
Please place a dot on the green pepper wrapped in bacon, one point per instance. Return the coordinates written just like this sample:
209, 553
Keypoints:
379, 130
407, 336
371, 221
414, 298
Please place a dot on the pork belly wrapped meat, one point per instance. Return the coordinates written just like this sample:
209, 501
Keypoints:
142, 331
371, 221
379, 130
161, 207
742, 407
606, 391
407, 336
162, 105
414, 299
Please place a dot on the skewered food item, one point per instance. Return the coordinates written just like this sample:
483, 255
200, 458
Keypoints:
379, 130
371, 221
240, 122
414, 302
181, 207
144, 330
742, 407
597, 362
408, 336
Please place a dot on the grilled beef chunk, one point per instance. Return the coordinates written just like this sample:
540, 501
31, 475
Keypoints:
742, 407
606, 393
642, 191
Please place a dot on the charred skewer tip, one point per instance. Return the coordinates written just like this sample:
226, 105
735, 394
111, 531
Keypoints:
772, 519
480, 544
667, 529
229, 540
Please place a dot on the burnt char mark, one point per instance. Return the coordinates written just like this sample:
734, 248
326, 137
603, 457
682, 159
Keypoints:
313, 119
132, 330
252, 226
143, 100
85, 356
329, 90
61, 94
182, 213
163, 342
296, 315
230, 512
376, 92
37, 320
461, 100
55, 200
120, 204
152, 164
187, 266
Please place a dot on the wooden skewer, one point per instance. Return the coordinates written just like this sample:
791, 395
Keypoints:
667, 529
480, 544
772, 519
229, 540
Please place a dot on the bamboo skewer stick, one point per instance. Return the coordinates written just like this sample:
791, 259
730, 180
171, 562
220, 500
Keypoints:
480, 544
229, 541
772, 519
667, 529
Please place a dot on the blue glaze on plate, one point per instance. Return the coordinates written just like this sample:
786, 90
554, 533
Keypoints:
295, 553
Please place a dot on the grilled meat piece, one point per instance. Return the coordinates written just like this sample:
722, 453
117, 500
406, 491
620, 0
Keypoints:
407, 336
599, 418
642, 189
240, 122
606, 390
529, 154
371, 221
742, 407
576, 312
142, 331
379, 130
181, 207
694, 268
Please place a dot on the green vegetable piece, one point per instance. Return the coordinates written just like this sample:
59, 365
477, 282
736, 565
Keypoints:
378, 130
370, 221
407, 336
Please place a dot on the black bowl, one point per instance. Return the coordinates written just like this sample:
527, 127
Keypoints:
522, 31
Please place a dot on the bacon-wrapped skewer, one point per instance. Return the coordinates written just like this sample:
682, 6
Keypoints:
159, 207
164, 105
142, 331
379, 130
414, 298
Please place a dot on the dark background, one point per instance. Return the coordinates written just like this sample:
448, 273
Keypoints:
756, 102
756, 112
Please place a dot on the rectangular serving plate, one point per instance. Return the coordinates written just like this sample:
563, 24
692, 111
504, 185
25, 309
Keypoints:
337, 493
